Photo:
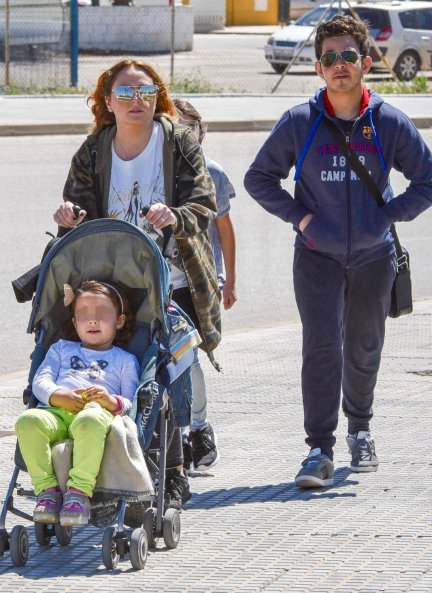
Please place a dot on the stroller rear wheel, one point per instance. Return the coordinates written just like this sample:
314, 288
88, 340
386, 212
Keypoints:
171, 528
19, 545
149, 526
138, 548
110, 555
63, 534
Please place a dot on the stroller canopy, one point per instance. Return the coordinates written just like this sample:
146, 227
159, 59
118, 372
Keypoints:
105, 250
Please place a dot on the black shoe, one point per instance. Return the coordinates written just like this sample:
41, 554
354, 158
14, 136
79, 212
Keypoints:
177, 490
317, 470
204, 451
363, 454
187, 455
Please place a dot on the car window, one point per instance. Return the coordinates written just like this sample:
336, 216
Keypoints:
425, 19
408, 19
311, 19
417, 19
377, 19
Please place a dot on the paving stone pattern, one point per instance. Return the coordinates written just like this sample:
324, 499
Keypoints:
247, 528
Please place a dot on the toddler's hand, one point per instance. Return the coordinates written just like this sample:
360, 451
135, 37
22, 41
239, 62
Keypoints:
98, 394
68, 400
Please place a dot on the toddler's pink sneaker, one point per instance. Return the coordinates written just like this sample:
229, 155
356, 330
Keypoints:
75, 509
48, 505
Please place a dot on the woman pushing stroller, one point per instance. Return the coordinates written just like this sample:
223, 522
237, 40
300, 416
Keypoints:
81, 386
135, 158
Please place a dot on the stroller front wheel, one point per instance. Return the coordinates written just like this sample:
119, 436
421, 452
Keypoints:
110, 555
138, 548
171, 528
19, 545
149, 526
63, 534
43, 533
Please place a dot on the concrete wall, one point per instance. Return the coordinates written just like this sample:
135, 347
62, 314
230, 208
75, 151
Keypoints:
208, 14
135, 29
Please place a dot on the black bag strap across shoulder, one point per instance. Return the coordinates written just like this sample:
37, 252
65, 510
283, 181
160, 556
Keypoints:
365, 177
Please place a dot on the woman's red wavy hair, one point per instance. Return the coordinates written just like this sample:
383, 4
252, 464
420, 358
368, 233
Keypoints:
104, 118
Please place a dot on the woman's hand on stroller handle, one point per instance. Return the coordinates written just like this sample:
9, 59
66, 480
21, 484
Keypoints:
69, 215
159, 215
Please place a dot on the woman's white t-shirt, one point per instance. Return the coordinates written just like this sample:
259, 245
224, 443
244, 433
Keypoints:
138, 183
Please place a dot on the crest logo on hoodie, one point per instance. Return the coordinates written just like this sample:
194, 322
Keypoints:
367, 132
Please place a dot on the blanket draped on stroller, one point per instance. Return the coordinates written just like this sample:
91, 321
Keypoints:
123, 472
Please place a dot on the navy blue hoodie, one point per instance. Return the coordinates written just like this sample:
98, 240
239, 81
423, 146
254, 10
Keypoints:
347, 225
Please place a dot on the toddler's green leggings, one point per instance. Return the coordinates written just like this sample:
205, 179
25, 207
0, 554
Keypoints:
39, 428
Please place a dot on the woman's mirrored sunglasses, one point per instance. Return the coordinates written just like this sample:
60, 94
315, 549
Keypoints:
349, 56
146, 92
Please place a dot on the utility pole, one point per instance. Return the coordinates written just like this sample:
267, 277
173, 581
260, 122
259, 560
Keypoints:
74, 24
7, 45
171, 3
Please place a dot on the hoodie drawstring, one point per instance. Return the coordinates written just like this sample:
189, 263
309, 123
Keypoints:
377, 142
312, 134
306, 147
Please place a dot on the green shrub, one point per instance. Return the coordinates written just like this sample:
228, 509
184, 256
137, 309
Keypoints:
15, 90
419, 85
195, 84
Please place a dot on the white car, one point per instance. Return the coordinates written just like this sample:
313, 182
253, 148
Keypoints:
402, 31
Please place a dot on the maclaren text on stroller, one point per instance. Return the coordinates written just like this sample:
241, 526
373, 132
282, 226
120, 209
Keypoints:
163, 341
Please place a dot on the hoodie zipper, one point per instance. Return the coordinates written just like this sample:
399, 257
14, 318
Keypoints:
349, 221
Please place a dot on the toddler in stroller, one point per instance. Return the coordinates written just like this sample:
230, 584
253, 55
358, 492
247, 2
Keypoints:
126, 262
80, 386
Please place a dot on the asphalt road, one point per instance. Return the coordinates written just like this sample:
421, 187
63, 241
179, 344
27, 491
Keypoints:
33, 174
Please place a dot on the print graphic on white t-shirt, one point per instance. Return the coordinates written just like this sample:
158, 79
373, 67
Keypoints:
128, 203
138, 183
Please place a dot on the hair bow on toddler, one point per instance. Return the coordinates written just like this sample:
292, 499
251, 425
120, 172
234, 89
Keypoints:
69, 295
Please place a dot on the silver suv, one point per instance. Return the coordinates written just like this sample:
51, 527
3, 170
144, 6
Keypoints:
401, 29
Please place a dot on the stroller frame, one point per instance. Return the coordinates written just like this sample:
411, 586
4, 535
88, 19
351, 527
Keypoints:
158, 521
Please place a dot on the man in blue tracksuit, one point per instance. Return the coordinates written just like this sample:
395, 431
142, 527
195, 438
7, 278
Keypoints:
344, 261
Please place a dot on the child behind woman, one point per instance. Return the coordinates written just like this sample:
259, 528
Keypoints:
200, 445
80, 386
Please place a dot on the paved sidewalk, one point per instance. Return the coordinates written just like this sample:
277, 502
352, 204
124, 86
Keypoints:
70, 115
247, 528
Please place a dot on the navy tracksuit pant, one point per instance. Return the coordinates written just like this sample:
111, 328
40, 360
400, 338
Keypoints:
343, 312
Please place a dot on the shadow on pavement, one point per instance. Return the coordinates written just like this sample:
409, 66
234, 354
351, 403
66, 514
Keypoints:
285, 492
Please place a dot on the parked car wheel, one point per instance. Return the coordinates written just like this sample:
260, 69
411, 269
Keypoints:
279, 68
407, 66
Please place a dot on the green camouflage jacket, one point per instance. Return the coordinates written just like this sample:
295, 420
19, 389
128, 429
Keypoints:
190, 195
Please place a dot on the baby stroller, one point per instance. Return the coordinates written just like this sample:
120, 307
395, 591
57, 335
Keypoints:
118, 252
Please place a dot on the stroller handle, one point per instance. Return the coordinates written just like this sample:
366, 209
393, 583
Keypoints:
76, 210
168, 245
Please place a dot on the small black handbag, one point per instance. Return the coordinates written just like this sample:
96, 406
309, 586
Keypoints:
401, 293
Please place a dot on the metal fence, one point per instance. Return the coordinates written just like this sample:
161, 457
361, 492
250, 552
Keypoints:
34, 44
40, 54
